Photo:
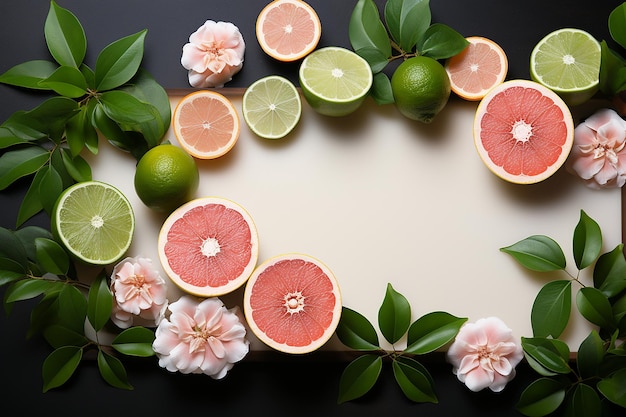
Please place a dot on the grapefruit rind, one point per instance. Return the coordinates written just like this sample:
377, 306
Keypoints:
272, 51
177, 128
498, 78
233, 282
567, 120
261, 334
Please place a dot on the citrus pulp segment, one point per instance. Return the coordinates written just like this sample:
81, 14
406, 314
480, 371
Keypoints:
292, 303
209, 246
94, 221
288, 30
335, 80
568, 62
523, 131
271, 107
477, 69
206, 124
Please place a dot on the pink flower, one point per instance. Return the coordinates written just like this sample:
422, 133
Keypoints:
598, 154
485, 354
200, 337
139, 293
214, 54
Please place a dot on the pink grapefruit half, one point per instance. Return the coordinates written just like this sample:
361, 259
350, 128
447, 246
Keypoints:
209, 246
292, 303
523, 131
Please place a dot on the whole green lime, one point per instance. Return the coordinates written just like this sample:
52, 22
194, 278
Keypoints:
166, 177
421, 88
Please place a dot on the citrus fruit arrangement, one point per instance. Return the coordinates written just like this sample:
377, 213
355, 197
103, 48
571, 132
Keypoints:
208, 246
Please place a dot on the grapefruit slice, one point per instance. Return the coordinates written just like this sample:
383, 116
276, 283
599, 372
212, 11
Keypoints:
523, 131
477, 69
206, 124
209, 246
288, 30
292, 303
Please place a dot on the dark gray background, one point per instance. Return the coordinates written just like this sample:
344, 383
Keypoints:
277, 384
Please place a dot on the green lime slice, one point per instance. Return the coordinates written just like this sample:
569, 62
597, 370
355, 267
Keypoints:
567, 61
94, 221
334, 80
271, 107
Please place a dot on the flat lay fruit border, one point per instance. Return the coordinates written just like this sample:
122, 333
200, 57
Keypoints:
118, 96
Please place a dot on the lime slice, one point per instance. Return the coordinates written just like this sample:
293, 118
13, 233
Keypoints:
271, 107
94, 221
334, 80
567, 61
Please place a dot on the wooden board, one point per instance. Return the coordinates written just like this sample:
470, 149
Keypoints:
381, 199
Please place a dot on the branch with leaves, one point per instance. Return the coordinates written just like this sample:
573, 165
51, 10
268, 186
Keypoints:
599, 373
425, 335
117, 99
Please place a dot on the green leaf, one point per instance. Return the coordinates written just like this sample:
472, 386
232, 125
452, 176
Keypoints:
374, 57
366, 30
355, 331
28, 288
59, 366
135, 341
44, 314
99, 302
609, 273
58, 336
394, 315
546, 354
8, 138
407, 21
65, 36
51, 115
432, 331
76, 166
612, 71
617, 24
29, 74
359, 377
381, 89
12, 248
31, 203
595, 307
51, 256
147, 90
66, 81
537, 253
590, 355
587, 241
50, 187
112, 371
79, 130
24, 126
122, 107
414, 380
614, 388
583, 402
118, 62
111, 130
551, 309
10, 271
27, 236
72, 308
18, 163
441, 42
541, 398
